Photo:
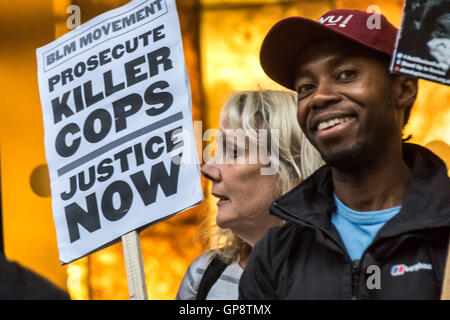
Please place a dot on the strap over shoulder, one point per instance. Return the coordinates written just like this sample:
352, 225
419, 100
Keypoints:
211, 275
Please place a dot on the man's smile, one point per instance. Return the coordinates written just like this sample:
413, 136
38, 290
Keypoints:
333, 127
327, 124
323, 125
327, 119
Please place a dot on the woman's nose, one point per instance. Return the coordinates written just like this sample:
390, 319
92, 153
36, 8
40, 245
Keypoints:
210, 171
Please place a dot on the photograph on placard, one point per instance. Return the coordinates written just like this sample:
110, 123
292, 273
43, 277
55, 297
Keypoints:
423, 44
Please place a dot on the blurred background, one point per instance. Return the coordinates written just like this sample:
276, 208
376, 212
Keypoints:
221, 42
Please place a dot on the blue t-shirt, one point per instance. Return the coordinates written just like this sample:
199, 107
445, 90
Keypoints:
358, 228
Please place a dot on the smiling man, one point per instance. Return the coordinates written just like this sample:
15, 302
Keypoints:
380, 206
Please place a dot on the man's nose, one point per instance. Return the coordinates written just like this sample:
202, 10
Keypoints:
325, 94
210, 170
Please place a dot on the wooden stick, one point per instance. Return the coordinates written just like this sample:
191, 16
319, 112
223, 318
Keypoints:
446, 283
134, 264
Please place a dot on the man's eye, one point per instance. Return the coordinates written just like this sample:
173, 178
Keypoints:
304, 89
346, 75
440, 31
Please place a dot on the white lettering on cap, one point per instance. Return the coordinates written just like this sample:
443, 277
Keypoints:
332, 21
344, 23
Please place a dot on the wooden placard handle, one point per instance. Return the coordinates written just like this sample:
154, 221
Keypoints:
134, 264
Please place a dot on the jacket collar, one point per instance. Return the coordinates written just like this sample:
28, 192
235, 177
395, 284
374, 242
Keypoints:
426, 203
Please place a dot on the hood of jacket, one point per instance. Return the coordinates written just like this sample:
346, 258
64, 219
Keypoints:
425, 205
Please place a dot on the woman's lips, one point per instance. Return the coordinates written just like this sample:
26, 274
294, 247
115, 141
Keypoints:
222, 202
222, 199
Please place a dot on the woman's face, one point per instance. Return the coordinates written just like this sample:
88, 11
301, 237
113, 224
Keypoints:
244, 194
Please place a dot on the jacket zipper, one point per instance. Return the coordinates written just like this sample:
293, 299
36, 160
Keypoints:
356, 265
356, 278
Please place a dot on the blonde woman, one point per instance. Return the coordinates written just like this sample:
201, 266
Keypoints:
262, 153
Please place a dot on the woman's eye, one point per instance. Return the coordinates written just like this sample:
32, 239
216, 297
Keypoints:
234, 153
346, 75
231, 153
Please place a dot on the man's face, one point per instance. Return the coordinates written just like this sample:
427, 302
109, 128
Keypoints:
441, 28
346, 102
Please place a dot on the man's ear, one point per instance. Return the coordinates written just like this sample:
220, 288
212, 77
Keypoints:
407, 91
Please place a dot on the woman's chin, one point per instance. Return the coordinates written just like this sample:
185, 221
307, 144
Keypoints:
224, 222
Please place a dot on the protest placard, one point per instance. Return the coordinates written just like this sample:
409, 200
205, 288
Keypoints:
423, 42
118, 126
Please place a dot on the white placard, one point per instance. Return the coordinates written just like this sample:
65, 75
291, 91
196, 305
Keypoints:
118, 126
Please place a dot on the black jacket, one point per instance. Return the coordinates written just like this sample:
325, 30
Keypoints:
306, 258
20, 283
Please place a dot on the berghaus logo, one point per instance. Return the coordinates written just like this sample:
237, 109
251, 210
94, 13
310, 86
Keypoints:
401, 269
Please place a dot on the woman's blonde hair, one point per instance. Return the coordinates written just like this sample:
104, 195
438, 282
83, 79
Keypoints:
296, 159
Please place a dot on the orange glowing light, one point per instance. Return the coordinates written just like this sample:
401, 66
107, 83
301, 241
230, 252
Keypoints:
224, 45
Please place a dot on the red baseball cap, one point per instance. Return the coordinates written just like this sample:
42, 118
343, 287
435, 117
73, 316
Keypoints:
282, 45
